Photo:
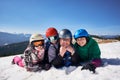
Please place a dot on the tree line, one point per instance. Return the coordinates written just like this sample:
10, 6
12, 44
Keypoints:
13, 49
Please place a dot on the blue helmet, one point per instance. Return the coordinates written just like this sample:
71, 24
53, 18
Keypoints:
81, 33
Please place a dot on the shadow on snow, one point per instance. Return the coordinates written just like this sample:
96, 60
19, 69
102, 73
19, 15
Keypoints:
111, 61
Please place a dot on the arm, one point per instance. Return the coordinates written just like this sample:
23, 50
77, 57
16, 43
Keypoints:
97, 62
51, 53
27, 57
58, 61
75, 59
95, 54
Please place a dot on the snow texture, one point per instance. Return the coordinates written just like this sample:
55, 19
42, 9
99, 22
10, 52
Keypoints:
110, 53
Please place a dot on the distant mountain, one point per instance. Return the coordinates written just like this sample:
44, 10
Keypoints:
9, 38
109, 36
106, 36
13, 49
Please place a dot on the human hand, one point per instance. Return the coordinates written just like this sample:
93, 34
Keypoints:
70, 49
89, 66
62, 51
28, 69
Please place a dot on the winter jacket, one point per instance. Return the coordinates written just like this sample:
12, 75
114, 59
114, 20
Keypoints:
67, 60
53, 51
34, 60
89, 52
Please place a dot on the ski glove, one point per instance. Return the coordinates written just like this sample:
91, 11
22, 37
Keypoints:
46, 67
89, 66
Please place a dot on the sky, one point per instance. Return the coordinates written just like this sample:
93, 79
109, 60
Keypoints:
36, 16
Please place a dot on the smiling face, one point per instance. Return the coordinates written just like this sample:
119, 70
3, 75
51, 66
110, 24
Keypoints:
38, 44
39, 48
65, 42
81, 41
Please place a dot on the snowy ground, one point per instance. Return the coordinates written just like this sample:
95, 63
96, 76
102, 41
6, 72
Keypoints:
109, 71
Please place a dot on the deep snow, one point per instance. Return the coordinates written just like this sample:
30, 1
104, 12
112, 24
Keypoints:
110, 53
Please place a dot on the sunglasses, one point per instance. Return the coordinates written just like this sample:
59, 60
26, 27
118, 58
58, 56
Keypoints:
53, 38
38, 43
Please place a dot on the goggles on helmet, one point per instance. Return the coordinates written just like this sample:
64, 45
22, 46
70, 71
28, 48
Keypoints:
53, 38
38, 43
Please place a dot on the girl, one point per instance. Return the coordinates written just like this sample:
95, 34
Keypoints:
34, 54
88, 50
52, 45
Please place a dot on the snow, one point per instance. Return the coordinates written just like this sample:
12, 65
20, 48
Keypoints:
110, 53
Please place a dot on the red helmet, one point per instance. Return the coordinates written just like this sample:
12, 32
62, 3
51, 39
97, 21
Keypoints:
51, 32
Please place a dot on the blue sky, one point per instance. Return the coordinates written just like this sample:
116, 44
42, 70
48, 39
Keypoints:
35, 16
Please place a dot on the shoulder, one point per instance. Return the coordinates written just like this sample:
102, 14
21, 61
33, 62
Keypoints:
93, 44
29, 49
92, 41
47, 44
75, 45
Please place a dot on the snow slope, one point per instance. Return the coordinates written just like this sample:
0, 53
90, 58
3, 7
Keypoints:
110, 70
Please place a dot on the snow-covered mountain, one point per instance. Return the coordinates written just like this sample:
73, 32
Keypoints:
9, 38
109, 36
110, 53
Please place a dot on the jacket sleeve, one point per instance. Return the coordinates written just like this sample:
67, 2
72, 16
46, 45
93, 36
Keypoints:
97, 62
51, 53
94, 51
95, 54
27, 58
26, 61
58, 62
75, 59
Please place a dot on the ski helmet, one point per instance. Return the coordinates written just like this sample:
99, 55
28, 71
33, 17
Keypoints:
65, 33
81, 33
51, 32
36, 37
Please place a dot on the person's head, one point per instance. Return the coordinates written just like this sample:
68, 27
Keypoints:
65, 36
81, 37
37, 41
52, 34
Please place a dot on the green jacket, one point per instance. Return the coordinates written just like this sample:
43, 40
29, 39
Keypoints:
88, 52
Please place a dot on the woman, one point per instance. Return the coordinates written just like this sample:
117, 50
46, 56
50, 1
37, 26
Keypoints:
88, 50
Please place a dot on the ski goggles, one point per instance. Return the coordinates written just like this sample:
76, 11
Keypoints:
53, 38
38, 43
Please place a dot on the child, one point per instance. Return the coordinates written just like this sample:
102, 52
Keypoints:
66, 55
52, 45
88, 50
34, 54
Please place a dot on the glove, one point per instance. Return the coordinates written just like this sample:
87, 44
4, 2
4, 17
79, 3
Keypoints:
13, 62
33, 69
90, 67
28, 69
47, 67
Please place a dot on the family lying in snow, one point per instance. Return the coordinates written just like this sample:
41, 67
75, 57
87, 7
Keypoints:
59, 51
